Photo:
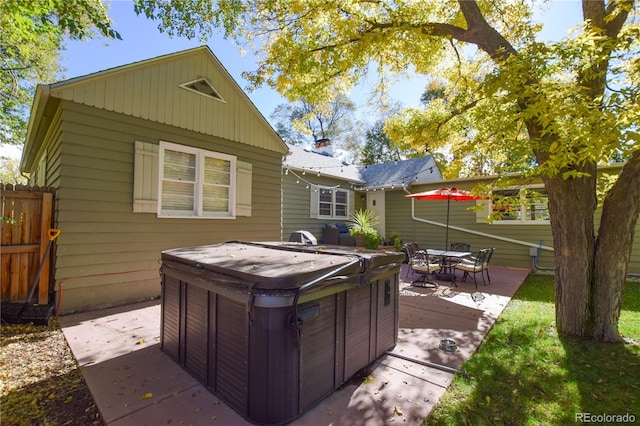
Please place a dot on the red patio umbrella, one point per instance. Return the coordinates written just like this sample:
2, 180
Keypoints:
445, 194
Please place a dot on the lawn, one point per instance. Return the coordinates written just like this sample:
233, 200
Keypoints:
524, 374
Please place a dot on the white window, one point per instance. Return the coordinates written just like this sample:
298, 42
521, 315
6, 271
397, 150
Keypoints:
332, 202
195, 183
521, 206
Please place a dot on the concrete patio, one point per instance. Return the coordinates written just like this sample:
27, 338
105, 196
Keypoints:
134, 383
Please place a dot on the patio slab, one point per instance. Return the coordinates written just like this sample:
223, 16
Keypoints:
134, 383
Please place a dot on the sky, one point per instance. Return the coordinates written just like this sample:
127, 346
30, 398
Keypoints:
141, 40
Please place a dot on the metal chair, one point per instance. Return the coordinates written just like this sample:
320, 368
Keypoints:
460, 247
424, 265
449, 263
411, 249
478, 263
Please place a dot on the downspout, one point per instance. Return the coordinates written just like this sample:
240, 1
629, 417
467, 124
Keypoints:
536, 259
539, 246
471, 231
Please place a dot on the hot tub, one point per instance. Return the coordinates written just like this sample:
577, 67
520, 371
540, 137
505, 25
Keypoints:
273, 328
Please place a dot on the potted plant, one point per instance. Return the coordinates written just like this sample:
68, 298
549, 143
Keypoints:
394, 239
362, 228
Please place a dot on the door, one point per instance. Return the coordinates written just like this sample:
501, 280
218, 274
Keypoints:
375, 202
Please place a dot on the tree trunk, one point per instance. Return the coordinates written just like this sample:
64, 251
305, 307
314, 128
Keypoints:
572, 203
590, 274
613, 250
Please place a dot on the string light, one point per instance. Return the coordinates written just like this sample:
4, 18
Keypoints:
399, 182
308, 184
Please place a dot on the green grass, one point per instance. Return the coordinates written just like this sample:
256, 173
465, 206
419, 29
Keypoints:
524, 374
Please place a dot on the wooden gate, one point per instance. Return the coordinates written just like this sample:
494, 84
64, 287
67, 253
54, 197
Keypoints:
26, 218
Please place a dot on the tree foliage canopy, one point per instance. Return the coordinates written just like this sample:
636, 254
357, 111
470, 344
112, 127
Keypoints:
31, 36
557, 109
485, 53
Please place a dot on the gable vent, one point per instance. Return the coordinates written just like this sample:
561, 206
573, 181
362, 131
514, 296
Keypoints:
203, 87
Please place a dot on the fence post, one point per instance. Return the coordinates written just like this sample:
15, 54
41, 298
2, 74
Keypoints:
45, 225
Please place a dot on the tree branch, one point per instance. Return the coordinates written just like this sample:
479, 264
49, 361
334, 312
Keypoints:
604, 20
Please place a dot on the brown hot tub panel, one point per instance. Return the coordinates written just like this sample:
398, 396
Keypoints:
273, 328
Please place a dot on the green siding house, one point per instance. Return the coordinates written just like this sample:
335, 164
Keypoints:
518, 236
319, 189
170, 152
163, 153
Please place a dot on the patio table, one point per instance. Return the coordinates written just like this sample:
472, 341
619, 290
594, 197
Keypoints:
448, 256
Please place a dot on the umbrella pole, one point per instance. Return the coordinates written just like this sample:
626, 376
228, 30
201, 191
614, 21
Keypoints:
446, 238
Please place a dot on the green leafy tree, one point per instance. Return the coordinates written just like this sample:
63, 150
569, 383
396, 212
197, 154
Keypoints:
301, 121
10, 171
378, 147
558, 109
434, 90
32, 33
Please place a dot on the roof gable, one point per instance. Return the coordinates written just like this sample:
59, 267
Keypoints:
168, 89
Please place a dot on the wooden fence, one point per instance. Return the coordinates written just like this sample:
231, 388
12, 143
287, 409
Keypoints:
26, 218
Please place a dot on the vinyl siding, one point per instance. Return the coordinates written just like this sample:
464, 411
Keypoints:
432, 236
52, 155
107, 254
514, 254
296, 200
150, 90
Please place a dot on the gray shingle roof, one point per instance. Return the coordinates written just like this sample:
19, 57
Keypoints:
399, 173
304, 159
387, 175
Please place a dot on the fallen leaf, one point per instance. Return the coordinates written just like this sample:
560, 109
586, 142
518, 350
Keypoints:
398, 411
488, 398
147, 395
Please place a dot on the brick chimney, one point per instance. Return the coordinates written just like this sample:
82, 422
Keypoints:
323, 146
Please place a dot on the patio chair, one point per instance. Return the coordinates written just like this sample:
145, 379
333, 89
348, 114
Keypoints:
477, 263
411, 249
450, 262
424, 265
460, 247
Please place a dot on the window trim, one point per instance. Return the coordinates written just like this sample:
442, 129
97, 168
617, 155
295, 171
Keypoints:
200, 154
333, 190
523, 210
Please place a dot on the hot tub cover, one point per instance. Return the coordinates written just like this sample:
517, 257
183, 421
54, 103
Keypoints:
279, 266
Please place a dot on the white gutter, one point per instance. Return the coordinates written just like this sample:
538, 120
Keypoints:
471, 231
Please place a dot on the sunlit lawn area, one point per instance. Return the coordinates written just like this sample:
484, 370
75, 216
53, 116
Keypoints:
524, 374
